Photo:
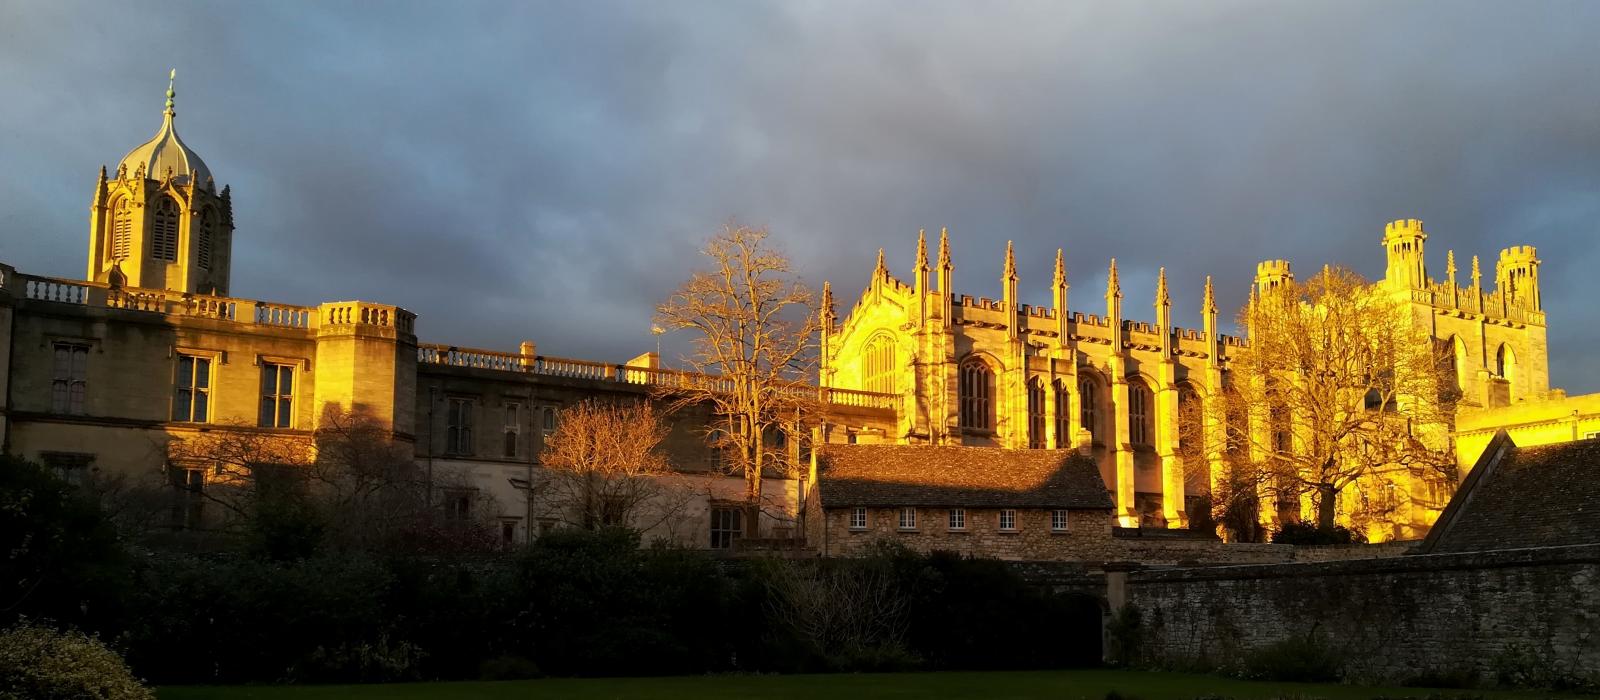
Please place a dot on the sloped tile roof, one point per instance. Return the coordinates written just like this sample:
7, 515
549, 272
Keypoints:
968, 477
1543, 496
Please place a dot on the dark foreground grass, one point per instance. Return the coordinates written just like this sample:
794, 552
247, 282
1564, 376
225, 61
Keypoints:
1051, 685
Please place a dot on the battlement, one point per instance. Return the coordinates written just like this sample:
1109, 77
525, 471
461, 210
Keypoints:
1273, 268
1519, 254
1404, 228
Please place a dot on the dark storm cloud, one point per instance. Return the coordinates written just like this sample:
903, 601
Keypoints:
547, 171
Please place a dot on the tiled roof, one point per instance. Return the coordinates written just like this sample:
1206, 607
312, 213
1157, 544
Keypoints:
968, 477
1543, 496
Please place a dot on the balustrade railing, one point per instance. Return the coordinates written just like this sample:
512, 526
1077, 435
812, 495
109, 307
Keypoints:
452, 356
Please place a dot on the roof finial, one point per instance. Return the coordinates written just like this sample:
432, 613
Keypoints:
944, 250
881, 270
1011, 263
1450, 266
1477, 279
1162, 297
1061, 269
1209, 305
1113, 286
922, 250
172, 80
827, 301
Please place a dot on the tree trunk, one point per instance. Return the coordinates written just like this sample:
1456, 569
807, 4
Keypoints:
1327, 499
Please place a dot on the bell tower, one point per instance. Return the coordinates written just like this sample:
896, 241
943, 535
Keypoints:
1403, 241
159, 222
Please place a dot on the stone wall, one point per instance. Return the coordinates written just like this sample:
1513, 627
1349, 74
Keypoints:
1390, 619
1087, 532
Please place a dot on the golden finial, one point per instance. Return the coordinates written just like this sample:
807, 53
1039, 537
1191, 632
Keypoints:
1450, 266
172, 80
827, 300
882, 269
1477, 279
944, 249
1113, 286
1209, 305
922, 250
1061, 269
1162, 298
1011, 263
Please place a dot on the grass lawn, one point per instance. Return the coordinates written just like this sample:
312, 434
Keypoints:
1054, 685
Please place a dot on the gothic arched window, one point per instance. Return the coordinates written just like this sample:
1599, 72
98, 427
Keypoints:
1141, 426
164, 230
121, 229
878, 366
1036, 439
1191, 419
977, 392
1088, 407
1063, 417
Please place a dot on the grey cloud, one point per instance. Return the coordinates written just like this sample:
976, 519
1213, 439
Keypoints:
546, 171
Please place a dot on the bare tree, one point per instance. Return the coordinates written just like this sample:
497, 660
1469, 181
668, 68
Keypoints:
1338, 383
606, 468
755, 326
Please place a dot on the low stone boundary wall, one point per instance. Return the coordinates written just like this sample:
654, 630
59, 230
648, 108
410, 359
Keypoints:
1389, 619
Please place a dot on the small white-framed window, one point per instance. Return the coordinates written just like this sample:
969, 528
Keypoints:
191, 395
1058, 520
958, 518
908, 518
277, 396
1008, 520
858, 518
69, 383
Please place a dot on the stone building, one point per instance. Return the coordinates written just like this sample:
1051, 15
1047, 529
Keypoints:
99, 374
1008, 504
997, 372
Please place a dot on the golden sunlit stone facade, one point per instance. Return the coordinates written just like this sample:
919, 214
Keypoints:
996, 372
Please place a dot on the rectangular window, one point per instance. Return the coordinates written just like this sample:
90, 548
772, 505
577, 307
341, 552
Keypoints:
908, 518
508, 532
1058, 520
958, 519
546, 526
458, 505
188, 506
549, 421
725, 527
72, 467
458, 427
513, 428
277, 396
70, 380
858, 518
191, 399
1008, 519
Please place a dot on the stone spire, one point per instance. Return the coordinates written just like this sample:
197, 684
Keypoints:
922, 250
1163, 299
1113, 286
1450, 267
1208, 305
920, 275
828, 313
1477, 277
1008, 285
1163, 314
1114, 308
1010, 272
1059, 297
881, 270
1208, 317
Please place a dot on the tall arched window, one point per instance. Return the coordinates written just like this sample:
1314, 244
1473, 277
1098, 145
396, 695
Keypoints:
1063, 417
878, 366
1088, 407
1191, 419
164, 230
1036, 439
1141, 426
977, 390
208, 234
121, 229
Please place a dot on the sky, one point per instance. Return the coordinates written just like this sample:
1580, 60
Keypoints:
548, 171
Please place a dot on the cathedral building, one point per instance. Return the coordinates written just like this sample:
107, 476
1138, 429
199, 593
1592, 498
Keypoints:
100, 375
1000, 373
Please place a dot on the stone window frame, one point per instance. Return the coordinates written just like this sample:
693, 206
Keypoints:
511, 414
458, 437
69, 391
726, 525
976, 394
956, 520
1063, 414
1141, 412
1060, 520
908, 519
1008, 520
213, 359
858, 518
1036, 414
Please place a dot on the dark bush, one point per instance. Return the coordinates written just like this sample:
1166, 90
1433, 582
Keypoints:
41, 663
60, 555
1309, 533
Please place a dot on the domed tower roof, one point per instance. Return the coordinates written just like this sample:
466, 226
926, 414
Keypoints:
165, 151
